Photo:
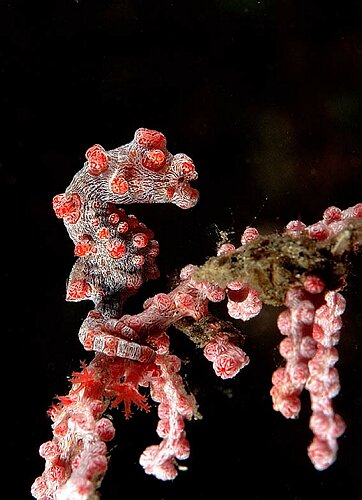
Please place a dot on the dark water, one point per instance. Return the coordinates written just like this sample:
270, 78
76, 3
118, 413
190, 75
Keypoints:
265, 96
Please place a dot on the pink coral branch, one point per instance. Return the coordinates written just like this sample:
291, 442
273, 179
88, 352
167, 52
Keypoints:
116, 254
296, 348
175, 405
76, 458
226, 357
311, 324
323, 382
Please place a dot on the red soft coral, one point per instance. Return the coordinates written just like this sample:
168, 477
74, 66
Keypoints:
126, 393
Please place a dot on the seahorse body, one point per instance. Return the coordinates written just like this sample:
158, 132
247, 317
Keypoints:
116, 253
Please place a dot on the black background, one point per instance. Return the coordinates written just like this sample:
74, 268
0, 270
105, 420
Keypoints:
265, 96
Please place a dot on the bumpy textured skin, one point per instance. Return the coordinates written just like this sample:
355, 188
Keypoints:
116, 253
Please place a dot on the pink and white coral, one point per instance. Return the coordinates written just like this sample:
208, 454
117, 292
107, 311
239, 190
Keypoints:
132, 361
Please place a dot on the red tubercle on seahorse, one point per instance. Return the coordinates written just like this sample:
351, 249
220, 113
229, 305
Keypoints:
150, 138
97, 160
67, 206
85, 246
154, 159
119, 185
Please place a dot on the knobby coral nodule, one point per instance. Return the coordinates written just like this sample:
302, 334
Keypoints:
303, 268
